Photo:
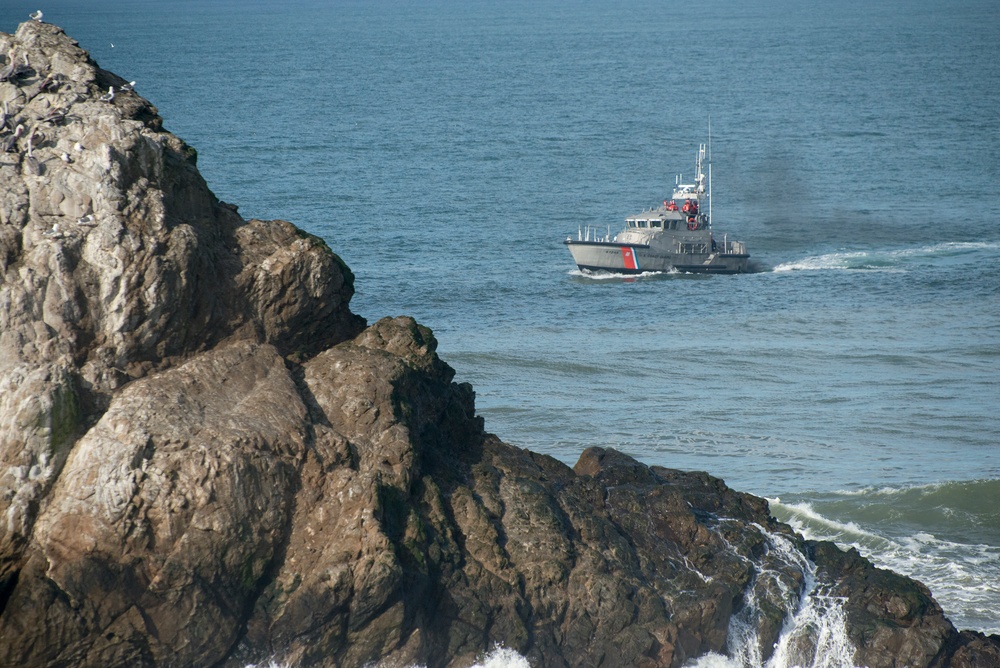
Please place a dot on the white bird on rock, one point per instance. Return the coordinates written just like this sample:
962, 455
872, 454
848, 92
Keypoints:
54, 232
109, 96
37, 16
86, 221
127, 87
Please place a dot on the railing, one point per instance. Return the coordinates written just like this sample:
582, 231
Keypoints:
731, 247
727, 247
593, 233
724, 247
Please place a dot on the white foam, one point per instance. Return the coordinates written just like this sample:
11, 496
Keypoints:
502, 657
713, 660
814, 633
833, 529
964, 578
820, 262
607, 275
886, 261
822, 620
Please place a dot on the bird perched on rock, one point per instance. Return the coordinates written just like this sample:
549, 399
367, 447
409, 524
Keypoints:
37, 16
55, 233
55, 116
86, 221
10, 142
51, 83
109, 96
127, 87
33, 166
4, 115
8, 71
34, 136
66, 158
13, 69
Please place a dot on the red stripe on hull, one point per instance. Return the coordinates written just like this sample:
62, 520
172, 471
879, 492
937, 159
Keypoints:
628, 256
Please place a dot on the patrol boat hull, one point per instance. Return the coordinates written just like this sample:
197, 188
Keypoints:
619, 258
670, 237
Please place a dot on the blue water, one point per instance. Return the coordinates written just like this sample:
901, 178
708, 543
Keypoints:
444, 149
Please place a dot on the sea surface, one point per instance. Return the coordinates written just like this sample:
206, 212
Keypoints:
445, 148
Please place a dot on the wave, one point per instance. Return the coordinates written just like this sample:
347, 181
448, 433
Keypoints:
613, 276
897, 260
945, 535
500, 657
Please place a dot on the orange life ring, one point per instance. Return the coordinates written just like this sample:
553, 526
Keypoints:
692, 224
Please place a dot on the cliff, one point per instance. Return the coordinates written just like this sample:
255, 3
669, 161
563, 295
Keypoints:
207, 459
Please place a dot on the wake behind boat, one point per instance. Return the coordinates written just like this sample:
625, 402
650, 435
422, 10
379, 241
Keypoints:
675, 236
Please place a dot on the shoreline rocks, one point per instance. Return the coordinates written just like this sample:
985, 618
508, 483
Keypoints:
207, 459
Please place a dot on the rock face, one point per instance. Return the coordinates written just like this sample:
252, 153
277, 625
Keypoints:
207, 459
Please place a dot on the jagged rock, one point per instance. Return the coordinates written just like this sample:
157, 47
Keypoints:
207, 459
159, 271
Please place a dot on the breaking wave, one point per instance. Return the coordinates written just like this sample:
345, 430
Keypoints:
944, 535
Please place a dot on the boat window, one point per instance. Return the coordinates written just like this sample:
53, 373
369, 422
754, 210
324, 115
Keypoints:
642, 223
630, 223
656, 223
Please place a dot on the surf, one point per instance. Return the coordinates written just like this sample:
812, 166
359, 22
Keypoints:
941, 534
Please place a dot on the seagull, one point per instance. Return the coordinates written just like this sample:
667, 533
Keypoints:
86, 221
78, 147
109, 96
66, 158
37, 16
127, 87
3, 115
54, 232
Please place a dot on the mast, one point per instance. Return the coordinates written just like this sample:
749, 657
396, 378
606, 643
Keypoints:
709, 172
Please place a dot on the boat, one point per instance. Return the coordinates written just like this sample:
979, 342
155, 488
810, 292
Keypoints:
675, 236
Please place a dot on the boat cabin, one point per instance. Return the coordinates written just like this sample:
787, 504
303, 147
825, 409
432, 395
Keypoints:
677, 223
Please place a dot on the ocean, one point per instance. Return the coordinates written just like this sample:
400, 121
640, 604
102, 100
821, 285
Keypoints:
445, 150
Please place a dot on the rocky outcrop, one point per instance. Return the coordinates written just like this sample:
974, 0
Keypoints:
207, 459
